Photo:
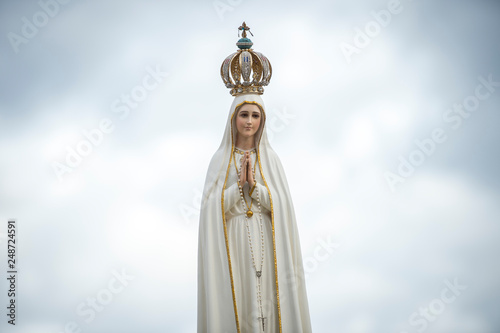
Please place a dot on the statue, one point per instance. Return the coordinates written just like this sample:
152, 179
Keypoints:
250, 272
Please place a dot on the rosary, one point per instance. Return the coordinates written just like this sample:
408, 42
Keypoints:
248, 215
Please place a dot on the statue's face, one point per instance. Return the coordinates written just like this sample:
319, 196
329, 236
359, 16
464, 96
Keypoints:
248, 120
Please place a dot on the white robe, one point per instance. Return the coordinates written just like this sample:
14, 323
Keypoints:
245, 279
226, 276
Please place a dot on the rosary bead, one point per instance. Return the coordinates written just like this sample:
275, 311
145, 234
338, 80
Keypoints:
248, 215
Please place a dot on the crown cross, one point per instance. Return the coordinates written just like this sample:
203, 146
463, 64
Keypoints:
244, 27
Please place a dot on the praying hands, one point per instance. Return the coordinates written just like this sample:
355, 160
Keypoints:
246, 170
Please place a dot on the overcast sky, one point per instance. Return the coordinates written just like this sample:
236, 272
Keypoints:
385, 117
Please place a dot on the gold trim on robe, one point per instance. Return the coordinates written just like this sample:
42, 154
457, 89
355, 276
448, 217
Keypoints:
272, 220
227, 247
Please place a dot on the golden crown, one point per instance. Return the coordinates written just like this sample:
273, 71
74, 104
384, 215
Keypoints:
246, 71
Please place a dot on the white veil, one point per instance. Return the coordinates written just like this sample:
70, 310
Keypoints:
217, 310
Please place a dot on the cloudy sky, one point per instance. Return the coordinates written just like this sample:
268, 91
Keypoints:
385, 119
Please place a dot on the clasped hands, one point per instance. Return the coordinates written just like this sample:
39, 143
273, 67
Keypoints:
246, 170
